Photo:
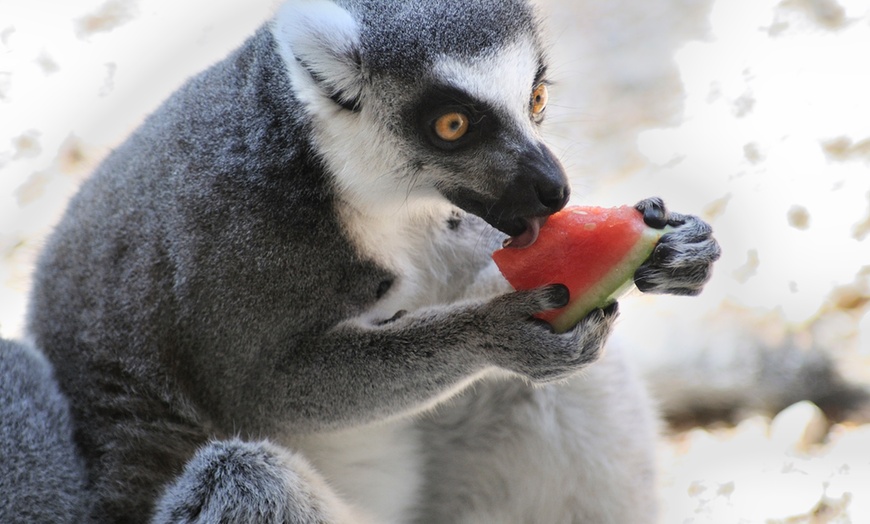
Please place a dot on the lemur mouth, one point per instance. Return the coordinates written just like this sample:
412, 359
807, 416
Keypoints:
528, 232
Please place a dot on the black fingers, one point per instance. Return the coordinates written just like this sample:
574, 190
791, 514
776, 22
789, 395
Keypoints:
559, 295
682, 261
529, 302
688, 281
691, 229
611, 309
677, 219
678, 269
654, 213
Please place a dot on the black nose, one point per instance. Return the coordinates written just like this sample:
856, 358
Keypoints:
528, 182
544, 173
553, 196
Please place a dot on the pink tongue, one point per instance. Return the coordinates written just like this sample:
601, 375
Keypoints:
527, 237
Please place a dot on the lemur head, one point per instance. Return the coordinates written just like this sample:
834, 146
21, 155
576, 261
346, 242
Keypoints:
415, 101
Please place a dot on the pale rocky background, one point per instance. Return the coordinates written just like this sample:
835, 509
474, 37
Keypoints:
754, 114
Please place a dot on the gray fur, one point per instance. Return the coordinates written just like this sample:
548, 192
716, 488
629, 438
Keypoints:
472, 444
207, 289
250, 482
42, 477
677, 265
402, 38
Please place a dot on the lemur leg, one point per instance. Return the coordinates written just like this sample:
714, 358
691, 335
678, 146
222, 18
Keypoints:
579, 451
251, 482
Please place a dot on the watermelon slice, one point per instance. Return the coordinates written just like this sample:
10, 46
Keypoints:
594, 251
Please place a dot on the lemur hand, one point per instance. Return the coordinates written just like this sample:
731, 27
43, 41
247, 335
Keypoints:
681, 263
529, 346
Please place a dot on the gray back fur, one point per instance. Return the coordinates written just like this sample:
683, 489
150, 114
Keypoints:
195, 251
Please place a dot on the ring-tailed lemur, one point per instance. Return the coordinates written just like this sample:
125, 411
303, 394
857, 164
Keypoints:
269, 303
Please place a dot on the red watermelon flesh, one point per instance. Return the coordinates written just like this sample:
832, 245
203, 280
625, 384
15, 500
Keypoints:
594, 251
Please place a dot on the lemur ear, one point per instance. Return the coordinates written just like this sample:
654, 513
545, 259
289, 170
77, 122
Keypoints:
323, 39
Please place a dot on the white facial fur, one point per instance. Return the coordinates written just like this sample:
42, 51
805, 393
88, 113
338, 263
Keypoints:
324, 36
503, 77
393, 214
366, 159
361, 155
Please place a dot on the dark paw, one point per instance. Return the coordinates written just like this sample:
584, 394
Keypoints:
576, 349
512, 339
682, 261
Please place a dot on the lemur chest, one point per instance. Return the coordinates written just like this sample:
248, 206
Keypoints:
378, 469
434, 254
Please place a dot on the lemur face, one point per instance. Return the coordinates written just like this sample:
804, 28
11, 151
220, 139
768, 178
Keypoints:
474, 128
418, 100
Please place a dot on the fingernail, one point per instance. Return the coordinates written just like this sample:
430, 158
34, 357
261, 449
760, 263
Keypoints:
654, 217
561, 295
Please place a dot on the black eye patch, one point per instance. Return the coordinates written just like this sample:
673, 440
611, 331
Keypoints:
438, 101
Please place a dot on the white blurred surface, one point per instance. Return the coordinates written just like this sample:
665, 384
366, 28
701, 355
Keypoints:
754, 114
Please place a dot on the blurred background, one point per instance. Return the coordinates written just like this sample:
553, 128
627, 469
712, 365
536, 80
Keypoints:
753, 114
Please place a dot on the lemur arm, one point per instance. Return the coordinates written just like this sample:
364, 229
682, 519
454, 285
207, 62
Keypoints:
359, 372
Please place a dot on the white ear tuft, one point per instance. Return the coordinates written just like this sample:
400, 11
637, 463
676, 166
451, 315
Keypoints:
323, 39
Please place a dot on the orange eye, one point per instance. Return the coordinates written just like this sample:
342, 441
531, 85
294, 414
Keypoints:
451, 126
539, 99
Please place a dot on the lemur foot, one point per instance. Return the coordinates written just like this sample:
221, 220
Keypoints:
253, 482
682, 261
531, 348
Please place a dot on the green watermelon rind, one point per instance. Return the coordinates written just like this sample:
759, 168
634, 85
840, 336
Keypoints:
611, 286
